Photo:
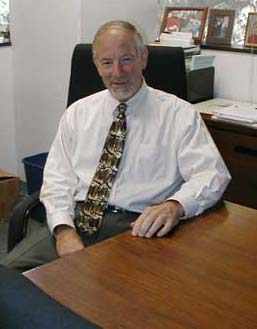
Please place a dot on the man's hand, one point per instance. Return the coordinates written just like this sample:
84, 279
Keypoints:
67, 240
158, 219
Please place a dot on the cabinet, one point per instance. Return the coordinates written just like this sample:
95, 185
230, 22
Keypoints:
237, 144
200, 84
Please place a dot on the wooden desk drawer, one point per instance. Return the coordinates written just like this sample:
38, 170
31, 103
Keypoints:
239, 151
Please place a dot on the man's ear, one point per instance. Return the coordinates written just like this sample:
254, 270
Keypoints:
94, 59
96, 64
144, 57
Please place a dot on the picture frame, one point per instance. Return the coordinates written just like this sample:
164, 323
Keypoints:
251, 31
220, 26
185, 19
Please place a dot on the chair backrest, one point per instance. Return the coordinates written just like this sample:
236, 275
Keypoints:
165, 71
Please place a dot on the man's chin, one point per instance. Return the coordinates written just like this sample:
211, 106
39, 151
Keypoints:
121, 95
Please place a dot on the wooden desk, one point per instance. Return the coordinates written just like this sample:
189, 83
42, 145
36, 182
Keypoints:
237, 144
202, 276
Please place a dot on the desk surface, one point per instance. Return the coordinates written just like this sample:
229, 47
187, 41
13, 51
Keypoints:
204, 275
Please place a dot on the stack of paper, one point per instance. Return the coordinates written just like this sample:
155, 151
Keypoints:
237, 114
202, 61
178, 39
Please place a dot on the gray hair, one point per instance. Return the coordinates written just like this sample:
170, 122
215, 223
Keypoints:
122, 25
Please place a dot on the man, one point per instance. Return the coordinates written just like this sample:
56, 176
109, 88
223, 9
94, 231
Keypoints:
168, 170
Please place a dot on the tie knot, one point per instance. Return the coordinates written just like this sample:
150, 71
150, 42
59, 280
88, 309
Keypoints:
122, 108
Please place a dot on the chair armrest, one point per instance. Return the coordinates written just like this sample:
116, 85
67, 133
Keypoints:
30, 206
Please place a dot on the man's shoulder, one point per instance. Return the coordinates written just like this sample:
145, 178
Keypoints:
91, 99
169, 100
86, 107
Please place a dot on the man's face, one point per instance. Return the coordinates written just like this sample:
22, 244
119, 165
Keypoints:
119, 64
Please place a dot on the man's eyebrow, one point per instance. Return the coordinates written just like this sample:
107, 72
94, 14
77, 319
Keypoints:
128, 55
105, 59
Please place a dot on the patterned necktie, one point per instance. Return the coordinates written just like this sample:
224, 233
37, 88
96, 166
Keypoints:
90, 217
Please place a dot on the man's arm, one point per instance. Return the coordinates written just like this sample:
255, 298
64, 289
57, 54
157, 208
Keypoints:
57, 192
67, 240
205, 179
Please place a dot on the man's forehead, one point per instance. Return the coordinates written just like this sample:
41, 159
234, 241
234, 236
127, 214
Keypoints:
115, 34
115, 40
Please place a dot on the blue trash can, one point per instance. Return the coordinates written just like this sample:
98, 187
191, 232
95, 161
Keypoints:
34, 167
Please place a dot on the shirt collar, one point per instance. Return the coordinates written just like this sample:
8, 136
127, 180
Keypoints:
132, 101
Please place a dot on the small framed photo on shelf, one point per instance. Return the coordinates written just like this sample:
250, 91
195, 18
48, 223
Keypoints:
220, 27
185, 19
251, 31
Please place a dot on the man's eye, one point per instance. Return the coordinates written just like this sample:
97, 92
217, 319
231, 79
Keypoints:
127, 60
106, 63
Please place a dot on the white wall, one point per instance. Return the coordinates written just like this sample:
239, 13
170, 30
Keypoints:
8, 160
43, 37
235, 75
141, 13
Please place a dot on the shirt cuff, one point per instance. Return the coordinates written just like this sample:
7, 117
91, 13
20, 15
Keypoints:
189, 205
60, 218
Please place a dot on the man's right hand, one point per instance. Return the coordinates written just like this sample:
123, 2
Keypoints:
67, 240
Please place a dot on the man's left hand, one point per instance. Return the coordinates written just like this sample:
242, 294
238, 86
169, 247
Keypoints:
158, 219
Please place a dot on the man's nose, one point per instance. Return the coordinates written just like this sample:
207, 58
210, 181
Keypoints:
116, 69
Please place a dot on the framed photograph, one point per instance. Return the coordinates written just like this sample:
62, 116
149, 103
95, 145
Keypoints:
220, 27
185, 19
251, 30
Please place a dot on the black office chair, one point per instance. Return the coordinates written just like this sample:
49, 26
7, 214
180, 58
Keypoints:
165, 71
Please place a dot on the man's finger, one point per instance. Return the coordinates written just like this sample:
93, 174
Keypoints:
137, 227
136, 224
167, 227
157, 224
145, 220
146, 224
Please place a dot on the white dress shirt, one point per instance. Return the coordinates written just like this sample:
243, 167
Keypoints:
168, 154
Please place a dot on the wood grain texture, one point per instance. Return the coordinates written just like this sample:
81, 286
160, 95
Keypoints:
238, 147
203, 275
